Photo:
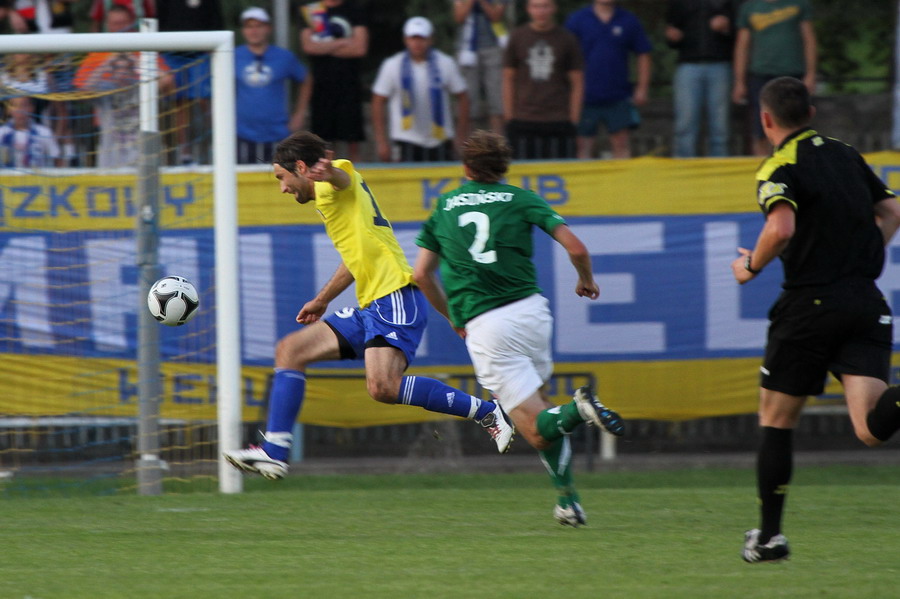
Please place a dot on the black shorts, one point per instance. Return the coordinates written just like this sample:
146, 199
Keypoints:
412, 153
546, 140
845, 329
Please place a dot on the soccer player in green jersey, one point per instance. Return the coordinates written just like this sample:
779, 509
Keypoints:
384, 330
480, 237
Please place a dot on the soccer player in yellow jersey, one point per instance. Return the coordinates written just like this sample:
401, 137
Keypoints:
384, 330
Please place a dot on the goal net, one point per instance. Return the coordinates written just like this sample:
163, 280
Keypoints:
116, 168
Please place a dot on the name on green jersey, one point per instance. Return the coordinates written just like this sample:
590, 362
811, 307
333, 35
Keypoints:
474, 199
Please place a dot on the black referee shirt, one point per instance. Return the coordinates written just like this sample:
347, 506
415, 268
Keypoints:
832, 191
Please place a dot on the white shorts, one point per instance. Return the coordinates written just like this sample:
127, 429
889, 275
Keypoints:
510, 349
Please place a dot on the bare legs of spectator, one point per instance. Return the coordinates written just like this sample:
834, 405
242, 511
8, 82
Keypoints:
62, 129
620, 144
585, 147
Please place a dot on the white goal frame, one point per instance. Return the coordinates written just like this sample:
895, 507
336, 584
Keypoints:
220, 45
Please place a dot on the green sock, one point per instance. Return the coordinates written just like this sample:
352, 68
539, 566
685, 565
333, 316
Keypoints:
557, 460
554, 423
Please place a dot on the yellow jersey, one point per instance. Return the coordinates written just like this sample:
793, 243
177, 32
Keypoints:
362, 236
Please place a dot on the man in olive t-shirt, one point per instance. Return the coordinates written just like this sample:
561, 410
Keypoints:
775, 38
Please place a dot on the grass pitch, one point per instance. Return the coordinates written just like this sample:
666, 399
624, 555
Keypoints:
665, 534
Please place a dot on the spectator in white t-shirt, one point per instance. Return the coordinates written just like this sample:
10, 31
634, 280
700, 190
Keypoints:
417, 85
25, 143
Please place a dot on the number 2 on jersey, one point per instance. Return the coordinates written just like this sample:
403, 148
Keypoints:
482, 231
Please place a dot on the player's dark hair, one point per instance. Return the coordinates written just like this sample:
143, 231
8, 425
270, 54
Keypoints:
302, 145
788, 101
487, 155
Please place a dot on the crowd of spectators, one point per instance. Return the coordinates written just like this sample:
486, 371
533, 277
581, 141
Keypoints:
551, 85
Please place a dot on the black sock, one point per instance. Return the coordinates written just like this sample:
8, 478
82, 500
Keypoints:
884, 419
774, 465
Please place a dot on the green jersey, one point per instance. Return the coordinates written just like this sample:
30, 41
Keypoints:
776, 43
482, 232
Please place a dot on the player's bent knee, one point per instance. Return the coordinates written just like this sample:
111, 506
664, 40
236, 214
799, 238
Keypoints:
287, 354
284, 353
382, 391
864, 435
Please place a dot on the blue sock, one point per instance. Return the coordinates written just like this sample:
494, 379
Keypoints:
285, 399
435, 396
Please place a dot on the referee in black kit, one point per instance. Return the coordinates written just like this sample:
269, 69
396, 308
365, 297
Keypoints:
828, 217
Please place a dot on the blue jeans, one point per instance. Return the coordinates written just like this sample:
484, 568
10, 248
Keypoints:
702, 87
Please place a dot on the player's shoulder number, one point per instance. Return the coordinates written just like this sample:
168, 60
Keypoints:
380, 221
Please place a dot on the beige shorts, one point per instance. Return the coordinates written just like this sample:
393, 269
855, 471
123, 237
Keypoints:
484, 82
510, 349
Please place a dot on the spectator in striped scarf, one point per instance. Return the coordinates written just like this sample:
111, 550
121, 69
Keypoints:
416, 86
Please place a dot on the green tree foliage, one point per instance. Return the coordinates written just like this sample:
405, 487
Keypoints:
856, 42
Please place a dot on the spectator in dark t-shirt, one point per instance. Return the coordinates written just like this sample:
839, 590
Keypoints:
543, 86
335, 38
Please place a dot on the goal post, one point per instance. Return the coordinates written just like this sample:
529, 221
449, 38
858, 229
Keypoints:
220, 47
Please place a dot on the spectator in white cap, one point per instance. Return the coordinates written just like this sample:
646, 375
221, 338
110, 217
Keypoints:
261, 71
417, 85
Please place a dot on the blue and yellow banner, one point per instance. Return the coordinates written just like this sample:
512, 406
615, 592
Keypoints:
672, 336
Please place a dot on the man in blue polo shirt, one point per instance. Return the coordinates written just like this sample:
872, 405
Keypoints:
261, 70
608, 35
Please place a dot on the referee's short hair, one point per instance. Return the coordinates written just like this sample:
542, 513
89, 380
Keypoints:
788, 101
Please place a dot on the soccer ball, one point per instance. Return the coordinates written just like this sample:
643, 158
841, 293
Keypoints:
173, 301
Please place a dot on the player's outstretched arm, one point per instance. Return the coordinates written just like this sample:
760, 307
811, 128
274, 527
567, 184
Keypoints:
324, 171
315, 308
581, 260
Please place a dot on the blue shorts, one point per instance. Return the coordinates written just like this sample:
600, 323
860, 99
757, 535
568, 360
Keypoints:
615, 116
397, 319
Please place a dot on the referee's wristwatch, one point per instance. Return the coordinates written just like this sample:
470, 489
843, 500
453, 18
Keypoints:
750, 268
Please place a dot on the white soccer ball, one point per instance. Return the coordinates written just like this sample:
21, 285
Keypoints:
173, 301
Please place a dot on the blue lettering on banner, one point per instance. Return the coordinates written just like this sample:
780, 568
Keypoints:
127, 389
550, 187
60, 200
30, 193
183, 388
666, 293
103, 202
75, 201
432, 190
181, 201
250, 398
183, 384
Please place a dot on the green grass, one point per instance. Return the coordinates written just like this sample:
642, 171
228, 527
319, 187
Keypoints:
651, 534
